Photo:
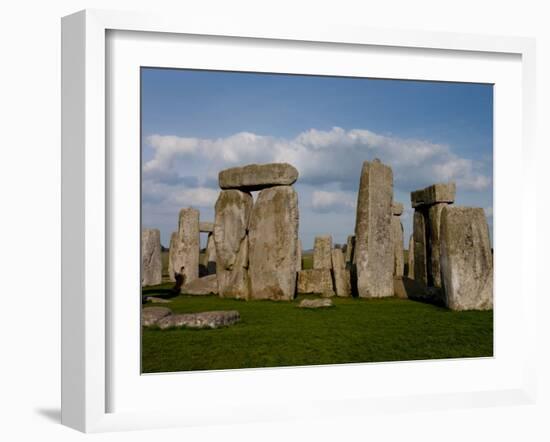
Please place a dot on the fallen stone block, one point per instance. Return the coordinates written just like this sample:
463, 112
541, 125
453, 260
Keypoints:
207, 285
151, 315
203, 320
315, 303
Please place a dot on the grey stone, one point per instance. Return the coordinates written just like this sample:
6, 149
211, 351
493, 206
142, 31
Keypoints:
315, 303
209, 260
373, 239
410, 273
206, 227
171, 254
397, 237
155, 300
397, 209
151, 315
258, 176
342, 279
434, 243
273, 235
151, 259
317, 281
233, 209
299, 256
186, 255
399, 289
321, 252
436, 193
350, 247
420, 244
202, 320
466, 259
207, 285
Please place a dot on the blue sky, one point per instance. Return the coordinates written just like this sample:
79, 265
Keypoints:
195, 123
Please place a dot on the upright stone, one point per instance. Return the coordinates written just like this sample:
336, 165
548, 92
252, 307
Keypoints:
299, 256
322, 248
350, 246
233, 209
273, 234
171, 254
342, 280
210, 255
419, 237
186, 256
257, 176
434, 243
397, 236
410, 272
315, 281
151, 260
373, 243
466, 259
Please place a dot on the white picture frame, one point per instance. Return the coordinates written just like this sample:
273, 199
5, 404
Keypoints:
87, 208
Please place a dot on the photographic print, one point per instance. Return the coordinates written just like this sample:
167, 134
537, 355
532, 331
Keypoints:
300, 220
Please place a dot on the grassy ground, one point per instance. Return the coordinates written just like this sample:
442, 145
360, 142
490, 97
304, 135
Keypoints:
272, 334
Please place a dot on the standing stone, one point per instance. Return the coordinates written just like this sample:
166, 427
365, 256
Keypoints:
350, 246
397, 236
434, 243
315, 281
233, 209
419, 237
299, 256
410, 273
321, 252
373, 243
342, 280
171, 254
186, 254
210, 255
258, 176
273, 234
466, 259
151, 260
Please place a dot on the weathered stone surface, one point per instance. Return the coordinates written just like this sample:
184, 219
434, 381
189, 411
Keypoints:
233, 209
420, 259
258, 176
186, 255
151, 315
397, 209
436, 193
399, 289
207, 285
466, 259
350, 247
299, 256
156, 300
397, 237
206, 227
273, 237
321, 252
208, 320
373, 243
209, 260
342, 279
315, 303
171, 253
151, 260
434, 227
410, 273
315, 281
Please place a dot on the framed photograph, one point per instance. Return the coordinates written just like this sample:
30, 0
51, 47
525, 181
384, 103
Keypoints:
270, 223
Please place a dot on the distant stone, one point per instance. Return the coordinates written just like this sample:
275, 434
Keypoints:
209, 259
420, 246
436, 193
171, 254
203, 320
233, 209
299, 256
155, 300
207, 285
258, 176
374, 251
397, 209
315, 281
350, 246
273, 242
411, 257
397, 237
342, 279
151, 315
321, 252
151, 259
466, 259
206, 227
186, 256
315, 303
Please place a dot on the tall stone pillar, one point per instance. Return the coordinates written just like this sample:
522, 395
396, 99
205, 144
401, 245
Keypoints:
397, 235
322, 248
171, 254
410, 270
350, 247
186, 255
151, 260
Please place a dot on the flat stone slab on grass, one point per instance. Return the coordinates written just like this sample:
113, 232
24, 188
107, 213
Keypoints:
209, 320
258, 176
316, 303
151, 315
156, 300
207, 285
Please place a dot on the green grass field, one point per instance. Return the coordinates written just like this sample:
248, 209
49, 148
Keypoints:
275, 334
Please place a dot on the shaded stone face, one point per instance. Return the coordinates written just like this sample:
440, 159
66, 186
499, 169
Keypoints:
436, 193
299, 256
151, 260
466, 259
373, 239
321, 252
397, 236
350, 247
233, 209
342, 279
207, 285
273, 235
186, 254
206, 227
209, 260
410, 273
317, 281
258, 176
434, 227
171, 254
419, 237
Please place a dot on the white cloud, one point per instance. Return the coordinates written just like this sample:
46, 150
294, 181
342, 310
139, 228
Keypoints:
323, 201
